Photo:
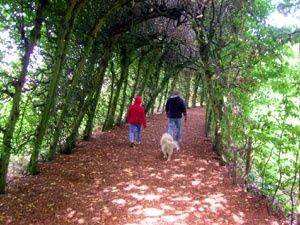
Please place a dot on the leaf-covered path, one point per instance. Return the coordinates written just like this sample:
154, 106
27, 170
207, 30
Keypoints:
107, 182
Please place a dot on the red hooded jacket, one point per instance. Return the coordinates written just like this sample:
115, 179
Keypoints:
136, 112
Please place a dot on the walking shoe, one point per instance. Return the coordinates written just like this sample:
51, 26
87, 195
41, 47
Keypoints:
131, 144
137, 143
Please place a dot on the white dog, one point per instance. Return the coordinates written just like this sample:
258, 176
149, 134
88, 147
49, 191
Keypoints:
167, 145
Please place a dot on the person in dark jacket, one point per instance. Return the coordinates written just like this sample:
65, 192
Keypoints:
136, 119
175, 108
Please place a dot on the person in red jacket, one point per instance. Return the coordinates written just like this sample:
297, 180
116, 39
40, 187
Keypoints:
136, 119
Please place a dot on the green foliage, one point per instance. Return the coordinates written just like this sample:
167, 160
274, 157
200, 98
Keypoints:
270, 115
259, 82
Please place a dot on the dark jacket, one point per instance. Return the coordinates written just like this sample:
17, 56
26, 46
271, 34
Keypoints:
175, 107
136, 112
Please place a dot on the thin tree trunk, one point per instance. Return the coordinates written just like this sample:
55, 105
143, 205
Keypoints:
174, 77
231, 145
195, 89
162, 95
152, 109
160, 100
234, 172
159, 89
91, 116
298, 210
100, 23
144, 81
97, 84
153, 91
148, 73
70, 91
123, 101
248, 159
61, 51
187, 90
133, 90
14, 112
125, 62
111, 116
138, 74
110, 119
218, 146
174, 83
293, 196
91, 112
113, 77
203, 93
216, 104
87, 133
208, 118
165, 97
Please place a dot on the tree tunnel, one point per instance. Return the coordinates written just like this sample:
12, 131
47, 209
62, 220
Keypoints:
79, 63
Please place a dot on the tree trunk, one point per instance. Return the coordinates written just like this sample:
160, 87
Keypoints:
195, 89
110, 119
165, 98
111, 116
144, 81
208, 118
159, 89
298, 210
125, 62
91, 116
187, 90
154, 91
216, 105
123, 102
203, 93
14, 112
113, 77
169, 91
174, 83
97, 84
234, 172
248, 159
63, 41
87, 133
138, 75
161, 99
217, 145
147, 75
133, 90
100, 23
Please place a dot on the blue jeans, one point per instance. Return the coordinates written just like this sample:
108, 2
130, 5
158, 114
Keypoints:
174, 128
132, 136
